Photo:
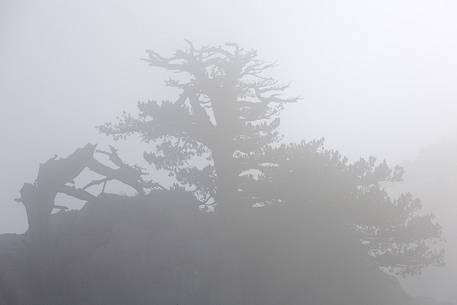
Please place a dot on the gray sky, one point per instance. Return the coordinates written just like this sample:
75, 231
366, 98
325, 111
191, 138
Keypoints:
377, 77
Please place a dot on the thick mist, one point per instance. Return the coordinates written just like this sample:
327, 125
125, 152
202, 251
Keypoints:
376, 79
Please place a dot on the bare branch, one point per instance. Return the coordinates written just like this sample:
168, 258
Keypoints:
125, 174
97, 182
77, 193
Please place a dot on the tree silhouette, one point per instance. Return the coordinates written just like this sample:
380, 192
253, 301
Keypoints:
227, 110
393, 231
56, 176
325, 229
217, 139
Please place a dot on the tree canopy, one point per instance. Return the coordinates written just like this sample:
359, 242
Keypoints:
220, 139
227, 110
295, 223
393, 231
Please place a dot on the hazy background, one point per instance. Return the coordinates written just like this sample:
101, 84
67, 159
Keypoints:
377, 77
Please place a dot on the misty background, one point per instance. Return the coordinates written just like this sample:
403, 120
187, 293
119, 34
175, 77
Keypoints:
377, 78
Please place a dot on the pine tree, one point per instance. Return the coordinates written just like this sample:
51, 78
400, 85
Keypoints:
226, 112
394, 232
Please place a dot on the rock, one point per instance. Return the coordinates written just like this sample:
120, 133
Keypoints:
160, 249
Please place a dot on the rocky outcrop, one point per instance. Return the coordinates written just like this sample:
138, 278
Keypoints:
157, 247
160, 249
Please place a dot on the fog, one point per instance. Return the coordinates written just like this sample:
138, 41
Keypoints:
375, 78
